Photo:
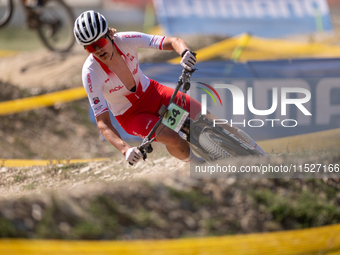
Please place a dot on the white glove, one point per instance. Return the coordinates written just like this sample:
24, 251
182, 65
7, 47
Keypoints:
132, 155
188, 60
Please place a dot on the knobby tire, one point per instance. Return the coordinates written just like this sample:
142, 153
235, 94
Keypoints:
6, 11
221, 146
48, 17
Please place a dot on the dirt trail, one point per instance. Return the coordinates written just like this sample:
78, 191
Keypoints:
158, 199
43, 70
21, 181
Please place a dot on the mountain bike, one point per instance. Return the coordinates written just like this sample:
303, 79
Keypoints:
208, 141
52, 19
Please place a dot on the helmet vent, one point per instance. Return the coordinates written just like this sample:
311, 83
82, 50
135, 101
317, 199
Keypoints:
90, 26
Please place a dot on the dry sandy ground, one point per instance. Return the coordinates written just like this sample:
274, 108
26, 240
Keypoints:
21, 181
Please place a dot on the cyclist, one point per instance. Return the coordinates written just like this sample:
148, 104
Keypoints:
114, 81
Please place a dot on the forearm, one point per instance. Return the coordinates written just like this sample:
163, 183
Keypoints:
175, 44
113, 137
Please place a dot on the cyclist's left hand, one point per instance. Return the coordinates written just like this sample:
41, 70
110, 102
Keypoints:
188, 60
133, 155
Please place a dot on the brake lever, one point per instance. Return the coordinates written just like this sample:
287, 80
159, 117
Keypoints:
143, 151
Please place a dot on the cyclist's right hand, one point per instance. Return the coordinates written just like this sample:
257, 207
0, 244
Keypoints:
188, 59
133, 155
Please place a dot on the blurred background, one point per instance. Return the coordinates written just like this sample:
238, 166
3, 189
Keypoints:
194, 18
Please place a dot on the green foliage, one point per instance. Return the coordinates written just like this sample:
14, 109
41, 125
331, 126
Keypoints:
192, 197
306, 208
87, 230
143, 217
47, 227
105, 217
7, 229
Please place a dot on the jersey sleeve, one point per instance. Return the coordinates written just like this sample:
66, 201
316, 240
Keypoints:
92, 85
137, 40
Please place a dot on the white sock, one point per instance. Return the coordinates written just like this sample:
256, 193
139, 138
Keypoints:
194, 159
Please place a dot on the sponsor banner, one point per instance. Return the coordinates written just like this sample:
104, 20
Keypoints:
265, 18
292, 68
307, 71
271, 108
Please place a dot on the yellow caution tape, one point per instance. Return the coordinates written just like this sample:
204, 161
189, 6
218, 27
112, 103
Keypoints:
7, 53
255, 48
27, 162
243, 42
271, 49
320, 240
212, 51
46, 100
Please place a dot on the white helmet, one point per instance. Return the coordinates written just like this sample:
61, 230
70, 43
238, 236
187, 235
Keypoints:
89, 27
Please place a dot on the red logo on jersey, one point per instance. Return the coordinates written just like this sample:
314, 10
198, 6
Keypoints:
89, 82
96, 100
135, 70
131, 36
107, 80
130, 57
116, 89
136, 134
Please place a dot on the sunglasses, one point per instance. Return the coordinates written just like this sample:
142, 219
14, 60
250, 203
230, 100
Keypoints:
96, 45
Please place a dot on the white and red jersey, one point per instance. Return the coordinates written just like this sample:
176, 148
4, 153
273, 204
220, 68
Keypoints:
102, 85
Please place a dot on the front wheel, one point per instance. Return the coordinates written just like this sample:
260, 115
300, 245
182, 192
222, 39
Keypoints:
56, 26
6, 11
220, 145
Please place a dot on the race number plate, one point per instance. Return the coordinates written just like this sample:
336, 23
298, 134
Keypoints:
175, 117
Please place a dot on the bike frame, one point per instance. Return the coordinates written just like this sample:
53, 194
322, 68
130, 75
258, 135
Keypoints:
184, 80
